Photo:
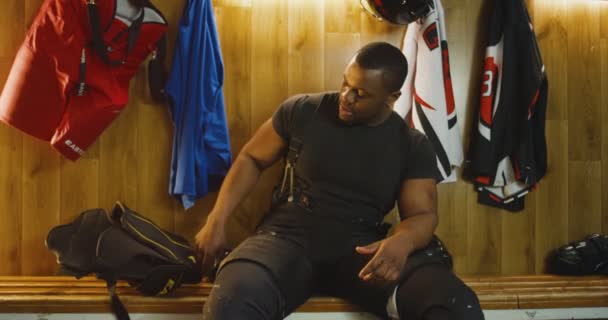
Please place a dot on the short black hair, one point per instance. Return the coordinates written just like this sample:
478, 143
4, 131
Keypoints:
386, 57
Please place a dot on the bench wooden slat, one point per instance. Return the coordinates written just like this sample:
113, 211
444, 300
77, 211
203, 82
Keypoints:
89, 295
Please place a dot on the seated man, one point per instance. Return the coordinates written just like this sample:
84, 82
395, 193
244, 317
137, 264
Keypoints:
350, 158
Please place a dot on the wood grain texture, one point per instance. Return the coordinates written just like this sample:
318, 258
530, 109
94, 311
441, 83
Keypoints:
12, 14
583, 81
236, 53
273, 49
305, 46
79, 186
153, 161
603, 7
118, 159
237, 47
67, 295
339, 50
11, 199
342, 17
518, 238
269, 86
40, 205
484, 240
31, 9
552, 195
453, 221
584, 198
374, 30
604, 94
551, 28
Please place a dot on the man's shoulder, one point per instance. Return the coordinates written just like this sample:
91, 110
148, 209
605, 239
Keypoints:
310, 100
307, 103
413, 134
299, 109
408, 135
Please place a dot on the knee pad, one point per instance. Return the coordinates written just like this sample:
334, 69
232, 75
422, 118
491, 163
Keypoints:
435, 253
284, 262
243, 290
430, 287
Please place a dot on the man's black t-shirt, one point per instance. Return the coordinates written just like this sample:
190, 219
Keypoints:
349, 175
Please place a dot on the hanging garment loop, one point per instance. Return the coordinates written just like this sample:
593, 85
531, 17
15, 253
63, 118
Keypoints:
98, 42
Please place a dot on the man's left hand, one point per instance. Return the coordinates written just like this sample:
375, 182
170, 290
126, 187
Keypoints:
389, 256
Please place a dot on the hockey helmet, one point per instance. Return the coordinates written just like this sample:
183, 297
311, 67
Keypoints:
397, 11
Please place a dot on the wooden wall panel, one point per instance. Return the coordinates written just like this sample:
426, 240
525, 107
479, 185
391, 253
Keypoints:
584, 200
342, 16
552, 195
336, 57
11, 198
236, 51
11, 22
603, 20
31, 9
269, 86
372, 30
118, 156
484, 238
154, 129
272, 49
305, 46
40, 205
518, 237
583, 81
11, 147
79, 185
604, 90
604, 103
453, 221
236, 48
551, 27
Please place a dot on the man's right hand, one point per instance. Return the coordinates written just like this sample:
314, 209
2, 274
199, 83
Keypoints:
264, 149
211, 243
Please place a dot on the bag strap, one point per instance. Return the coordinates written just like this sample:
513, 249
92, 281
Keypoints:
118, 308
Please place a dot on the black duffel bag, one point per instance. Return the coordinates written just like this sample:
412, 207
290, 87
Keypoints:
588, 256
124, 246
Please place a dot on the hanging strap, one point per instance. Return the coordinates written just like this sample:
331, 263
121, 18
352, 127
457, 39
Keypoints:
82, 86
118, 308
293, 152
294, 148
97, 34
157, 74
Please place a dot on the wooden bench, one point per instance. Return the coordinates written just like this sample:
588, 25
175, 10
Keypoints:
88, 295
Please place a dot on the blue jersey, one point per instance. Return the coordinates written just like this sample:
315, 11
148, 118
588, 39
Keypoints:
201, 148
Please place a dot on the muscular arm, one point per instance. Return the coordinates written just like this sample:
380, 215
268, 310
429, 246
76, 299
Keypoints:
263, 150
418, 210
417, 205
